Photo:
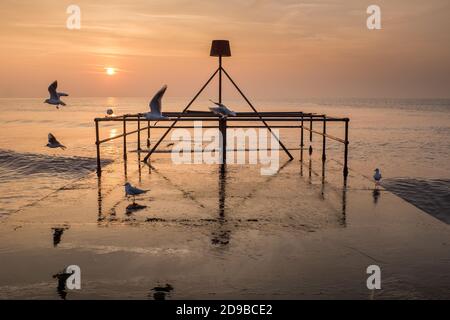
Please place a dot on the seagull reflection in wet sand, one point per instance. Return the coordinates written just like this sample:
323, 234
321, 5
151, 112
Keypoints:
160, 293
133, 208
376, 195
57, 235
62, 277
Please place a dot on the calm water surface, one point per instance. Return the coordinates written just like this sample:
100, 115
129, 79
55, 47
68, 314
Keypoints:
407, 139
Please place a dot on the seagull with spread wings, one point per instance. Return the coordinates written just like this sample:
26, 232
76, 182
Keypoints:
156, 106
55, 97
53, 143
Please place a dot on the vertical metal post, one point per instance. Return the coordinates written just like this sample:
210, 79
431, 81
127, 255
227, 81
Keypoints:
139, 133
222, 121
302, 143
97, 143
124, 137
220, 79
148, 134
324, 138
346, 149
310, 135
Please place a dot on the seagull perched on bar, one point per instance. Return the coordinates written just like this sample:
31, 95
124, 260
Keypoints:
221, 110
156, 106
55, 97
54, 143
133, 191
377, 177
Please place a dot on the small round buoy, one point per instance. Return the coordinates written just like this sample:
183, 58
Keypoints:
110, 112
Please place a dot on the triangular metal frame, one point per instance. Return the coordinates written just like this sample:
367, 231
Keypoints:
222, 125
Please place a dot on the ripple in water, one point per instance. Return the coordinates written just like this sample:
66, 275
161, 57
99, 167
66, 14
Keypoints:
24, 164
26, 177
429, 195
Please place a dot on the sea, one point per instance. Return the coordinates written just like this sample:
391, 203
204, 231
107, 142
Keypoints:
407, 139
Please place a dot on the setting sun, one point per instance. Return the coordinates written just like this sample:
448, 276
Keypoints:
110, 71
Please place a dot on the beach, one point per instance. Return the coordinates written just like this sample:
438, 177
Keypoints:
214, 232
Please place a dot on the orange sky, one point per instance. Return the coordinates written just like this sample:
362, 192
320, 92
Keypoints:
281, 48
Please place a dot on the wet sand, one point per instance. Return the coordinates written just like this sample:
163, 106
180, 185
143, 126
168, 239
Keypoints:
207, 232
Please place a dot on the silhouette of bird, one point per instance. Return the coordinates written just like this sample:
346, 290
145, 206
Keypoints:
221, 110
55, 97
156, 106
377, 177
53, 143
133, 191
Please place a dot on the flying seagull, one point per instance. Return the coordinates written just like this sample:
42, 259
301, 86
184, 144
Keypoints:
156, 106
377, 177
133, 191
221, 110
55, 97
53, 143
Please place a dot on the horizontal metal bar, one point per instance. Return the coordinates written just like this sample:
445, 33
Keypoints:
216, 127
325, 135
228, 150
210, 114
121, 135
230, 119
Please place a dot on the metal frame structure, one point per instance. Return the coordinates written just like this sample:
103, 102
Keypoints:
251, 117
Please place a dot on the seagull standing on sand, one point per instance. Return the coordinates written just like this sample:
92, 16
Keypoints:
377, 177
156, 106
54, 143
221, 110
133, 191
55, 97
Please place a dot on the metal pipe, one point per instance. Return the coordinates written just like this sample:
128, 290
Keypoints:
236, 126
310, 136
324, 139
222, 121
124, 138
326, 135
190, 113
302, 142
97, 143
139, 134
230, 119
346, 149
148, 134
220, 79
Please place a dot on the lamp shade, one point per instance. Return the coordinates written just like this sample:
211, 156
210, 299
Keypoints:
220, 48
